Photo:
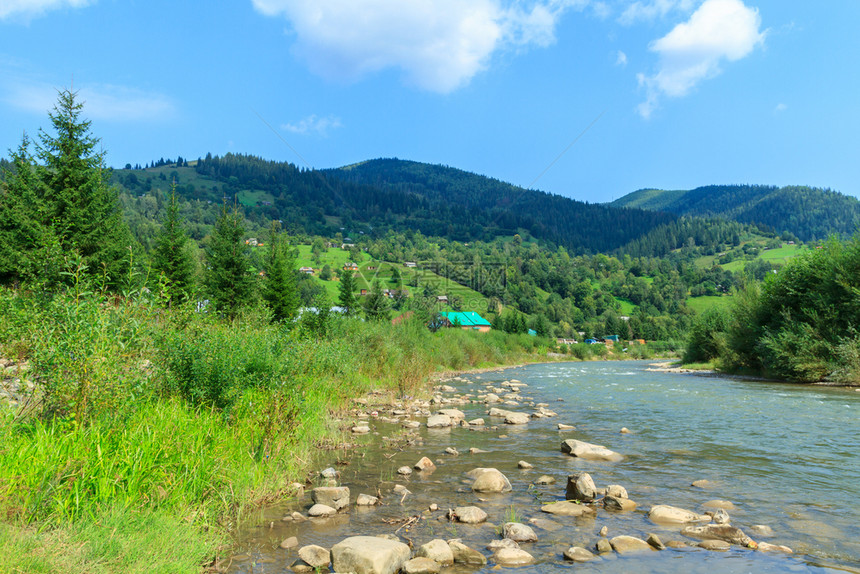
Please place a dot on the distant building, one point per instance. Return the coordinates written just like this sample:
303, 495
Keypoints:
441, 298
350, 266
466, 320
410, 264
307, 270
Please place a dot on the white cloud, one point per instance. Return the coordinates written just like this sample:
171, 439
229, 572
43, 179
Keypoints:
27, 9
621, 59
694, 50
101, 101
645, 11
780, 108
314, 125
439, 45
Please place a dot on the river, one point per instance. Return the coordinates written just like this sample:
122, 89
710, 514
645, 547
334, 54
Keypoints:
786, 456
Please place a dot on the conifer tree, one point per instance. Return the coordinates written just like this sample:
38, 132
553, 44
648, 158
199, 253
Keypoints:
228, 278
280, 290
20, 231
77, 197
171, 257
376, 306
346, 295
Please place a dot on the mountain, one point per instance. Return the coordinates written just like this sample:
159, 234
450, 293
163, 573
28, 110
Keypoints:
807, 212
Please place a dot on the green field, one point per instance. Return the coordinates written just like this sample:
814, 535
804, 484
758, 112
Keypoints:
627, 307
702, 304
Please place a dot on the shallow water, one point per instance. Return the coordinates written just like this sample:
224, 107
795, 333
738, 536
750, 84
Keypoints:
786, 456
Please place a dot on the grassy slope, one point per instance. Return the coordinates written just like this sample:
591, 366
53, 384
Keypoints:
654, 199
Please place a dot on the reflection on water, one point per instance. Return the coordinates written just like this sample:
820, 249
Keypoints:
785, 456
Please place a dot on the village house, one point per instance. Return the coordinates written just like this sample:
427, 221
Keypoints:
306, 270
466, 320
350, 266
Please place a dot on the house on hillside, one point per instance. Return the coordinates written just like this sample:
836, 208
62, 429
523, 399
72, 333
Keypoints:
410, 264
306, 270
350, 266
442, 299
467, 320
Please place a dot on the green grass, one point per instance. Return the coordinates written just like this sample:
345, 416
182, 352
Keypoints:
627, 307
781, 255
701, 304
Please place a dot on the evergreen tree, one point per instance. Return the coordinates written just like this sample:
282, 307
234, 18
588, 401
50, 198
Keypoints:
376, 307
77, 196
347, 288
171, 257
20, 231
279, 286
228, 277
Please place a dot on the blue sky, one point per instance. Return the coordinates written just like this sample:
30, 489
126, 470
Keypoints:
591, 99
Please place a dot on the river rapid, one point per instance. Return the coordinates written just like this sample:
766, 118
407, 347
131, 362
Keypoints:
786, 456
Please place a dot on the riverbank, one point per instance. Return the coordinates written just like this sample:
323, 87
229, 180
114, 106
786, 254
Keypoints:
446, 439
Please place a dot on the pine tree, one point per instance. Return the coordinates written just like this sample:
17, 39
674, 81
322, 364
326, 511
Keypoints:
77, 196
346, 296
171, 257
376, 306
279, 288
228, 277
20, 231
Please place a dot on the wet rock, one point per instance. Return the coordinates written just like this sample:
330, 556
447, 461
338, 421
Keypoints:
360, 429
503, 543
465, 555
452, 451
447, 389
603, 531
617, 504
519, 532
401, 490
729, 534
290, 542
476, 422
404, 471
762, 530
492, 398
715, 545
438, 551
562, 426
617, 491
438, 421
470, 514
565, 508
515, 418
629, 545
603, 546
578, 554
320, 510
329, 472
589, 451
655, 542
411, 424
724, 504
513, 557
546, 524
366, 500
475, 450
453, 414
335, 496
425, 464
580, 487
489, 480
664, 514
369, 555
421, 565
702, 484
677, 544
433, 507
545, 479
721, 517
768, 547
624, 430
301, 567
315, 556
524, 465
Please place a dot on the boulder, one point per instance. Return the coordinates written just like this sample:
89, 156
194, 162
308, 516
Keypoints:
545, 479
465, 555
580, 487
321, 510
721, 517
360, 429
519, 532
565, 508
578, 554
603, 546
664, 514
476, 450
438, 551
453, 414
617, 491
729, 534
768, 547
404, 471
476, 422
589, 451
617, 504
438, 421
503, 543
724, 504
562, 426
425, 464
290, 542
492, 398
489, 480
470, 514
513, 557
524, 465
717, 545
335, 496
702, 484
629, 545
329, 472
421, 565
369, 555
514, 418
452, 451
655, 541
315, 556
366, 500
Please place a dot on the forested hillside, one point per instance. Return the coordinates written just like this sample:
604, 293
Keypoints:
806, 212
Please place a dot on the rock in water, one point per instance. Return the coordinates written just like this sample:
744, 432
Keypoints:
580, 487
629, 545
290, 542
438, 421
565, 508
589, 451
513, 557
465, 555
369, 555
663, 514
618, 504
438, 551
315, 556
489, 480
421, 565
519, 532
578, 554
514, 418
524, 465
470, 514
321, 510
335, 496
729, 534
617, 491
425, 464
366, 500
